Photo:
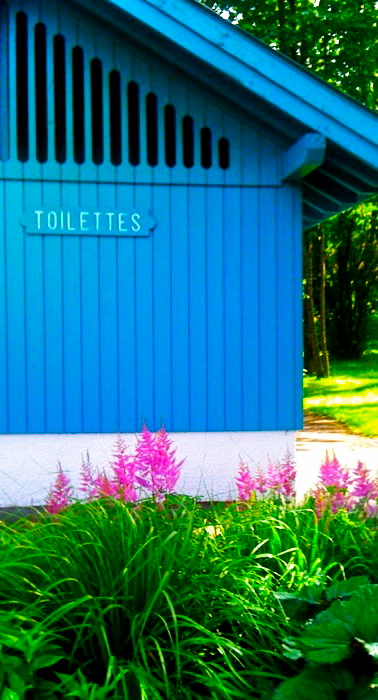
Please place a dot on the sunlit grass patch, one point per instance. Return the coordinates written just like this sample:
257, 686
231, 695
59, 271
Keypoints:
350, 395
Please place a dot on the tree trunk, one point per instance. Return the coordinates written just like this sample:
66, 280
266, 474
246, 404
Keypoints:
322, 307
314, 363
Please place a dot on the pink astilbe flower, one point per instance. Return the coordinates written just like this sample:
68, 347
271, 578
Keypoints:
364, 492
249, 485
156, 468
124, 468
105, 486
280, 478
61, 493
88, 480
244, 482
332, 489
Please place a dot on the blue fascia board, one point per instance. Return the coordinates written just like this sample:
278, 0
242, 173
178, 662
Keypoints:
255, 67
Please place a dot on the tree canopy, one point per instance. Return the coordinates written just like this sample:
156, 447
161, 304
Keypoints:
337, 39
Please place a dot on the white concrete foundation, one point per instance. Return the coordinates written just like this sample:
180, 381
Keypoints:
28, 462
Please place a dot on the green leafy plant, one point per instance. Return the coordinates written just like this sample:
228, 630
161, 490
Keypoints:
339, 645
25, 649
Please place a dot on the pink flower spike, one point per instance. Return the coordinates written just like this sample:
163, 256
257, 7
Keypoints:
61, 493
364, 488
123, 472
88, 480
156, 468
244, 482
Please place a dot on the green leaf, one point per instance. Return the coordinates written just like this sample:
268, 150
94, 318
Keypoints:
46, 660
327, 639
344, 589
9, 694
308, 685
292, 604
363, 605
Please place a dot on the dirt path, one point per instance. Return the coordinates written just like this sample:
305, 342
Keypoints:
322, 434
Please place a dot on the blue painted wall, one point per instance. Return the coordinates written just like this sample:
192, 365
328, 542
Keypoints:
196, 325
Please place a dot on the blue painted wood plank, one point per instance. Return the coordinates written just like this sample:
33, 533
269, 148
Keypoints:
179, 99
90, 325
250, 343
34, 321
3, 317
105, 50
287, 289
13, 168
233, 133
269, 161
268, 309
197, 310
196, 108
144, 324
140, 73
86, 39
298, 309
50, 170
15, 294
249, 155
127, 393
215, 309
232, 309
4, 84
161, 250
72, 329
108, 313
54, 328
32, 168
180, 309
161, 86
68, 29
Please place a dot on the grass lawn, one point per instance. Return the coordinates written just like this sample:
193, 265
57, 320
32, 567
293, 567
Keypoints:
350, 395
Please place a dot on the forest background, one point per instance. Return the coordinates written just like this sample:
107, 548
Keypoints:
337, 40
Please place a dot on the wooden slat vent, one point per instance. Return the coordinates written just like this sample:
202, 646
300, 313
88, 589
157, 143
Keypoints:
122, 140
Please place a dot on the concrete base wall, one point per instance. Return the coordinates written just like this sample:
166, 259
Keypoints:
28, 462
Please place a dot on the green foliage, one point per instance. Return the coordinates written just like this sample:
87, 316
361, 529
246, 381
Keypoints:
26, 649
340, 646
351, 278
337, 39
173, 603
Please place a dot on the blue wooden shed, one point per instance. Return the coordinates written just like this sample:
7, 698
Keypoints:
157, 169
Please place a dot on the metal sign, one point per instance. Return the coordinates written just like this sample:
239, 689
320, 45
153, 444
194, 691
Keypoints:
88, 222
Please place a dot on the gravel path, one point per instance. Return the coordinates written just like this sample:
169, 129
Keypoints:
321, 434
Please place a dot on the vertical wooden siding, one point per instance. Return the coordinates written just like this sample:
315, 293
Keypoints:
197, 326
186, 327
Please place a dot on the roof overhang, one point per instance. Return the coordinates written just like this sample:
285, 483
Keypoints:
275, 91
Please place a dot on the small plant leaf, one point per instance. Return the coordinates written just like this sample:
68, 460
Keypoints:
308, 685
328, 638
363, 605
46, 660
344, 589
9, 694
293, 605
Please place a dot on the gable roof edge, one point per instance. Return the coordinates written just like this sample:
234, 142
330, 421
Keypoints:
235, 53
